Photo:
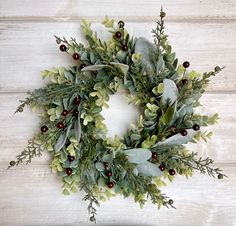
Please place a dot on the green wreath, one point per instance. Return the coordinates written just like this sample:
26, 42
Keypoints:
152, 151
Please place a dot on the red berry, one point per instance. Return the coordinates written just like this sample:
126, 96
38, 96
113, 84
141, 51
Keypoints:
172, 172
184, 132
64, 113
109, 173
60, 125
121, 24
63, 48
118, 34
196, 127
186, 64
77, 100
69, 171
76, 56
44, 129
184, 81
154, 155
110, 184
106, 164
82, 66
124, 47
162, 167
70, 158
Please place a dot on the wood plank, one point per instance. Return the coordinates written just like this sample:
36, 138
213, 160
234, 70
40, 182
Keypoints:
133, 9
31, 195
16, 130
28, 48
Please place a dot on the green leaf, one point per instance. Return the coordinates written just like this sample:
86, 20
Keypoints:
77, 128
160, 65
149, 169
99, 166
138, 155
171, 93
169, 115
66, 192
123, 67
178, 139
95, 67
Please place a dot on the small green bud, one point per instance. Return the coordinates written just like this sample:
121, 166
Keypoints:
171, 202
217, 68
162, 14
220, 176
20, 109
12, 163
58, 41
92, 219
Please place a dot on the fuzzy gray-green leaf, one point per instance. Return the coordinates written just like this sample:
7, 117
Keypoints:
149, 169
138, 155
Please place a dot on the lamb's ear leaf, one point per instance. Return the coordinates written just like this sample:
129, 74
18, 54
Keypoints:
99, 166
178, 139
138, 155
149, 169
62, 140
146, 48
123, 67
96, 67
171, 93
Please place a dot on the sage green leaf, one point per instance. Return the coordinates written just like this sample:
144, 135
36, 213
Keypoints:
160, 65
123, 67
62, 140
171, 93
169, 115
138, 155
178, 139
107, 158
69, 76
147, 49
149, 169
99, 166
121, 55
77, 127
96, 67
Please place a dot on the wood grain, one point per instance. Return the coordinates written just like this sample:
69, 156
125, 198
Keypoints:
32, 193
133, 9
28, 48
16, 130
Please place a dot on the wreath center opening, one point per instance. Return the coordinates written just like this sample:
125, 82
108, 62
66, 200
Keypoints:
120, 115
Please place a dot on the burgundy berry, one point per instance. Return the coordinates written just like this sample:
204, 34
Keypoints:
64, 113
186, 64
184, 132
121, 24
162, 167
77, 100
110, 184
184, 82
44, 129
172, 172
62, 48
76, 56
154, 155
70, 158
60, 125
82, 66
109, 173
69, 171
196, 127
124, 47
118, 34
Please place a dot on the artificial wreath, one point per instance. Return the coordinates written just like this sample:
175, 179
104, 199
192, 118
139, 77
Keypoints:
152, 151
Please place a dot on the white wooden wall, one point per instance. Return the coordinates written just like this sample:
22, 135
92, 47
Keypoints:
202, 32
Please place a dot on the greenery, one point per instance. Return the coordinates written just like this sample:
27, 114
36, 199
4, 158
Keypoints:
153, 150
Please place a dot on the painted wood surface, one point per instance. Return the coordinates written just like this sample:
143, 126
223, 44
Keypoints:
202, 32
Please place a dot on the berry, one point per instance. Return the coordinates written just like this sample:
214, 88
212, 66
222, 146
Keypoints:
60, 125
184, 81
118, 34
12, 163
82, 66
76, 56
69, 171
70, 158
44, 129
162, 167
154, 155
75, 112
64, 113
63, 48
196, 127
171, 202
124, 47
110, 184
184, 132
186, 64
106, 164
109, 173
77, 100
121, 24
172, 172
220, 176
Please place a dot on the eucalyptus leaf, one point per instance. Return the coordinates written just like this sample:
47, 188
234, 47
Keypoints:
147, 49
123, 67
178, 139
171, 93
99, 166
149, 169
138, 155
96, 67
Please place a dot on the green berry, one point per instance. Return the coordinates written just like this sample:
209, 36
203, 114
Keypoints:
12, 163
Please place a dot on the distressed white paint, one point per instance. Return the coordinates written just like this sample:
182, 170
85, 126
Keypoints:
202, 32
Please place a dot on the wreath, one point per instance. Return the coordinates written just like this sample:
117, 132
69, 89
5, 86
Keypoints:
152, 151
